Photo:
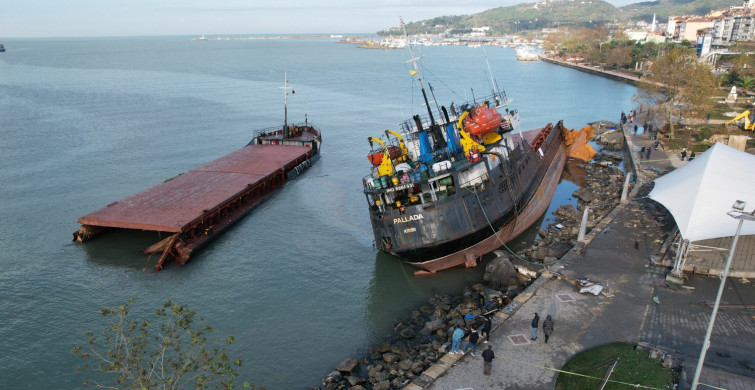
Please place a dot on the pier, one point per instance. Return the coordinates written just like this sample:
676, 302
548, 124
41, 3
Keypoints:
196, 206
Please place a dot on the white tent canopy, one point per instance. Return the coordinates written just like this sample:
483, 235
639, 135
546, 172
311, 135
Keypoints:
700, 193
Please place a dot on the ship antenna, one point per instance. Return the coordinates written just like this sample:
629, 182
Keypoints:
285, 88
490, 72
413, 60
439, 140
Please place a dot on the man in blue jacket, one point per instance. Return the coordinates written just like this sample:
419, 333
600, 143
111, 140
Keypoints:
457, 335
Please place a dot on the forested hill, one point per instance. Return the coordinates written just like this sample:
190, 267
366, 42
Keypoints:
533, 16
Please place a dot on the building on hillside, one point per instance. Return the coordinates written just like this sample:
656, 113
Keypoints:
685, 28
732, 27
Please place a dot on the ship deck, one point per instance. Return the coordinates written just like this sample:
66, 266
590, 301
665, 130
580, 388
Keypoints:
175, 203
202, 202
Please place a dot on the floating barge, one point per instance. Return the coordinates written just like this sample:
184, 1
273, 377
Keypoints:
200, 204
195, 207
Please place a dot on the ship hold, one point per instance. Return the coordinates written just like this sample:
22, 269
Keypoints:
466, 180
198, 205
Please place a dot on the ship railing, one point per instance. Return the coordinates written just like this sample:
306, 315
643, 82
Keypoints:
498, 99
279, 128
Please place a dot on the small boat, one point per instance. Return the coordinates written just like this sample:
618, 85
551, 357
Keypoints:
467, 179
2, 48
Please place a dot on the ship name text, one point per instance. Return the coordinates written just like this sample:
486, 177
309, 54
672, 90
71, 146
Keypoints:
407, 218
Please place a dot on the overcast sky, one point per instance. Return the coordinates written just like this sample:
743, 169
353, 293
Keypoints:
60, 18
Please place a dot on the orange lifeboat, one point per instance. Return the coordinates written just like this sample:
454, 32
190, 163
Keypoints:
482, 120
377, 157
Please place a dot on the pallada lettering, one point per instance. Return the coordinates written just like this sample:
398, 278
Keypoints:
407, 218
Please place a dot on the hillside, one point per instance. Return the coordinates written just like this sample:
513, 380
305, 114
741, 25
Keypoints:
534, 16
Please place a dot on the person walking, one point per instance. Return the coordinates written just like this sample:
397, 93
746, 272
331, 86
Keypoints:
487, 360
456, 340
635, 129
692, 156
485, 329
647, 153
642, 153
547, 327
535, 322
684, 153
472, 342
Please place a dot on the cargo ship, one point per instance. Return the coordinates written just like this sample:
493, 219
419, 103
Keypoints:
193, 208
460, 182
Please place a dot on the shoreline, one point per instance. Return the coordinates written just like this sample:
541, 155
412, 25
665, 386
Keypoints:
595, 70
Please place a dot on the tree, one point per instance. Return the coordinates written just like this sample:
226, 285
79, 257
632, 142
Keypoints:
677, 82
171, 351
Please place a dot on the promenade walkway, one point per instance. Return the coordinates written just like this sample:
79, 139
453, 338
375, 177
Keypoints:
638, 307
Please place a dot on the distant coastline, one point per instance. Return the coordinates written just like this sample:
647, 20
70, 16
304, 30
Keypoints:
219, 38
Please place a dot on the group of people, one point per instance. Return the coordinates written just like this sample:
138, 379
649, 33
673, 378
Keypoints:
547, 326
488, 355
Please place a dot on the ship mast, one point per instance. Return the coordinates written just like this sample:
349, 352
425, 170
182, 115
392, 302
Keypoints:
439, 140
285, 88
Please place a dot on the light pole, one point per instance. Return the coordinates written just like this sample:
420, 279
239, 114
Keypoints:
737, 212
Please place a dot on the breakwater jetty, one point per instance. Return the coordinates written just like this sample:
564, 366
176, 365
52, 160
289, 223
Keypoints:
596, 70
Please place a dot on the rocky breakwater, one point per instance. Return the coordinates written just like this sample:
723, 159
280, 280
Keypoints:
424, 336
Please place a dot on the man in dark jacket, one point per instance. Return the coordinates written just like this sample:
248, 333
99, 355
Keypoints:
472, 341
547, 327
487, 357
485, 330
535, 322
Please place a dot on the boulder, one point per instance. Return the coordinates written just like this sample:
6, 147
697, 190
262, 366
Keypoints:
400, 348
333, 377
434, 325
382, 385
381, 376
558, 249
391, 357
584, 194
348, 366
405, 364
383, 347
408, 333
500, 270
355, 380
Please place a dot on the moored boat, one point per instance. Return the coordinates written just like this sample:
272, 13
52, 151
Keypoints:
2, 48
455, 194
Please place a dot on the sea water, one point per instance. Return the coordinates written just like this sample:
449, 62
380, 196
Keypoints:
88, 121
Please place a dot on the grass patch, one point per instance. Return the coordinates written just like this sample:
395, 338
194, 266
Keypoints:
634, 367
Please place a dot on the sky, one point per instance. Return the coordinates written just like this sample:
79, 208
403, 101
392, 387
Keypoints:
85, 18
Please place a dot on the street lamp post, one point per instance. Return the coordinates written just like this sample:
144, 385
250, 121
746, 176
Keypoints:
737, 212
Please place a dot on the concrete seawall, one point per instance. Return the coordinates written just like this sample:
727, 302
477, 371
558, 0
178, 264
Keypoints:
595, 70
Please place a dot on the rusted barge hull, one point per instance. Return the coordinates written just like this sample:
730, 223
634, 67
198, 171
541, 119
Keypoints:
200, 204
